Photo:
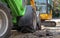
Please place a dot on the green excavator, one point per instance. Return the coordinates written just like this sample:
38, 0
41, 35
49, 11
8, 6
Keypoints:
16, 14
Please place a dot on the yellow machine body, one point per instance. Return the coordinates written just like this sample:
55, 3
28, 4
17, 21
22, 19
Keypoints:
46, 16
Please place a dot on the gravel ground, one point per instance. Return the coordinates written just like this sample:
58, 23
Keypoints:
16, 34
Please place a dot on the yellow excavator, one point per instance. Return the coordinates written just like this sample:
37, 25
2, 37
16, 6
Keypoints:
43, 9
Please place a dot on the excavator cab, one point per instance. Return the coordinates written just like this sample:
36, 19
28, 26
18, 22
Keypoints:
44, 7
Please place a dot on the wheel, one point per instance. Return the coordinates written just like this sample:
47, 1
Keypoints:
27, 23
5, 21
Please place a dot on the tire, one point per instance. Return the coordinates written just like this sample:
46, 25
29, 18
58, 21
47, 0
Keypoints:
5, 21
27, 23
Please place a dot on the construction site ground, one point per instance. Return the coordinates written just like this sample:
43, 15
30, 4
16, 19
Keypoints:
16, 34
53, 31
